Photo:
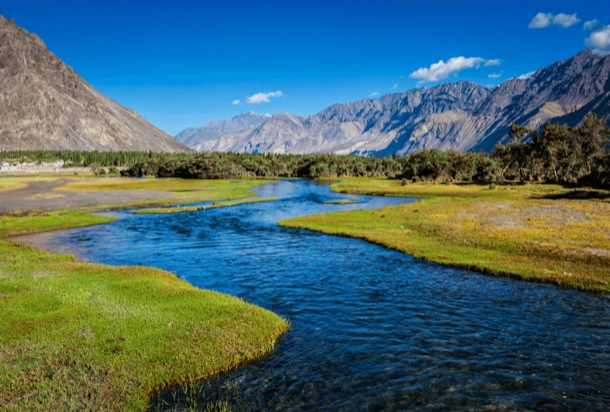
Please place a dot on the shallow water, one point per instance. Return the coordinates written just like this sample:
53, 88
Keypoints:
371, 329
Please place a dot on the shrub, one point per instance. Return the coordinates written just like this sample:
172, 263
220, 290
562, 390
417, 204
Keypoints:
95, 168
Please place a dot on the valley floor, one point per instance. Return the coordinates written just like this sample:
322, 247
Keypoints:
542, 233
77, 335
84, 336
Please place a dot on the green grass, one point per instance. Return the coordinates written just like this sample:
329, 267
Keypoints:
179, 191
184, 189
48, 221
79, 336
214, 205
516, 231
82, 336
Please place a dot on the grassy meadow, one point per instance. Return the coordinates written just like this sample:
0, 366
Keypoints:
542, 233
185, 188
178, 190
82, 336
214, 205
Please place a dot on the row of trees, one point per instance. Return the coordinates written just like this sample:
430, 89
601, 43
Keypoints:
215, 165
77, 158
556, 153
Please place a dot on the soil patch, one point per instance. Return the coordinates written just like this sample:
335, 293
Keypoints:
40, 196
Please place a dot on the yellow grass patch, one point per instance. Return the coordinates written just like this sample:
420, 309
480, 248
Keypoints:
50, 195
532, 232
14, 183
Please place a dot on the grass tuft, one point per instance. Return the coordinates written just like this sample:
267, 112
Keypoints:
340, 201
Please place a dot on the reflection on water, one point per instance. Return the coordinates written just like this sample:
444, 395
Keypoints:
372, 329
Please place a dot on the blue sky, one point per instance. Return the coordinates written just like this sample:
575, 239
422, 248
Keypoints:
183, 63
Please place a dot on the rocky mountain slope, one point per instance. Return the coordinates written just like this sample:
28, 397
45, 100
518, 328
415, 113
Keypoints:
44, 104
204, 138
462, 115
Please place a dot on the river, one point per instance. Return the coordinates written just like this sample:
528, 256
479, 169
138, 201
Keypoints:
371, 329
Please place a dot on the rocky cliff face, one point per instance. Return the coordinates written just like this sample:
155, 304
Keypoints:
462, 115
44, 104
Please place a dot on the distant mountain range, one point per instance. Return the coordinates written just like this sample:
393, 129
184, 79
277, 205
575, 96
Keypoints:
206, 137
463, 115
45, 104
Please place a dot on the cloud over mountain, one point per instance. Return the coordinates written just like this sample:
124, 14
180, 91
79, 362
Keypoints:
442, 70
599, 39
526, 76
263, 97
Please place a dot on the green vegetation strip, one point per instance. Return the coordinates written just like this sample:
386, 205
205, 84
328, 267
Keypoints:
49, 221
82, 336
214, 205
531, 232
340, 201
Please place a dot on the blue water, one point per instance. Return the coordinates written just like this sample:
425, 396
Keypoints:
371, 329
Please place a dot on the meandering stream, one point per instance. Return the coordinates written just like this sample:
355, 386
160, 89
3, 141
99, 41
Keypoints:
371, 328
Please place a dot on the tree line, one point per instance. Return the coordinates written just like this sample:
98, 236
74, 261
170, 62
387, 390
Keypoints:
78, 158
555, 153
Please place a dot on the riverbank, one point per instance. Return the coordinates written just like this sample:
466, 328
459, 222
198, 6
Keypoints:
45, 193
214, 205
77, 335
542, 233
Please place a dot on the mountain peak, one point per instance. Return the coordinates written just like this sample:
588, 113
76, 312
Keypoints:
586, 53
57, 109
198, 138
251, 114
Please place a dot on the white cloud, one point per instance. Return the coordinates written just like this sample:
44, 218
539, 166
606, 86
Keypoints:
235, 102
395, 86
493, 62
592, 25
526, 76
262, 97
542, 20
374, 94
565, 20
441, 70
494, 75
599, 39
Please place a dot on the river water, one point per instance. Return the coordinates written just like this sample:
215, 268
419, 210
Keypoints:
371, 329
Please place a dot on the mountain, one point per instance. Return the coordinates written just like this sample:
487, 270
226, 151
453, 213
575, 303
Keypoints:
204, 138
45, 104
463, 115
